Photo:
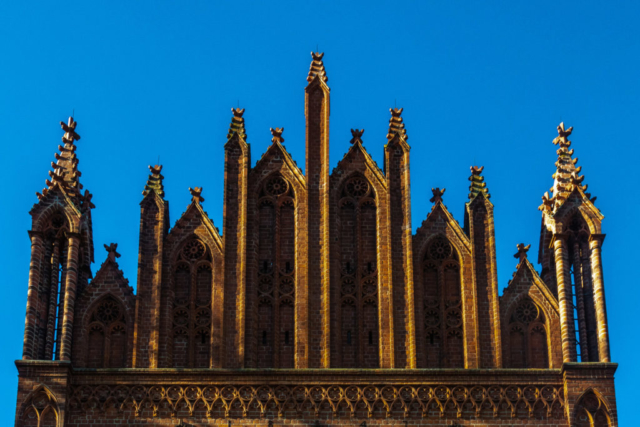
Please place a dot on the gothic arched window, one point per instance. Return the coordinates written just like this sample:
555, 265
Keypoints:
444, 332
192, 287
358, 313
276, 222
527, 337
107, 335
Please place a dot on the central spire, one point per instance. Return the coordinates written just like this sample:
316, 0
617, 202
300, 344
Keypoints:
396, 126
237, 124
65, 172
567, 176
154, 183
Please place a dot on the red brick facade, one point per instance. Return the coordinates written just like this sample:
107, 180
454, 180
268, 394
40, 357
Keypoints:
317, 305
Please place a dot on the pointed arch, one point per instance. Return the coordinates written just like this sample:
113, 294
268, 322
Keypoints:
527, 334
592, 409
107, 341
35, 407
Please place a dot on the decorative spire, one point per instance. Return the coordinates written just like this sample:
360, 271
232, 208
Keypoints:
357, 135
154, 183
65, 170
477, 183
113, 254
437, 195
317, 68
237, 124
567, 176
522, 252
277, 135
396, 127
196, 194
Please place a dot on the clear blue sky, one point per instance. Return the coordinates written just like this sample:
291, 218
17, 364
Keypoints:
480, 82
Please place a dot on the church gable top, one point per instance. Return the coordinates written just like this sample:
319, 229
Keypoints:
109, 276
358, 159
524, 279
577, 200
195, 219
56, 200
278, 152
436, 219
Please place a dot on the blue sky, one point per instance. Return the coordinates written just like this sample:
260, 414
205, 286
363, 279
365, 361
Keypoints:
481, 83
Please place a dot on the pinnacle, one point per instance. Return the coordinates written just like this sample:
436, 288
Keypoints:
477, 183
317, 68
65, 172
522, 252
154, 183
566, 178
396, 126
237, 124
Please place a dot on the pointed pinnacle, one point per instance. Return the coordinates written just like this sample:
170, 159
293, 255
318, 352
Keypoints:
237, 124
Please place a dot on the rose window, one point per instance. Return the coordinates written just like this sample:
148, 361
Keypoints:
357, 187
265, 284
526, 312
108, 311
277, 186
432, 318
369, 286
193, 250
286, 285
454, 318
348, 286
440, 249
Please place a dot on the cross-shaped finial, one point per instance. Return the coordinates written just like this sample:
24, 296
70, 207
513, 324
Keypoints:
357, 135
437, 195
522, 252
562, 134
111, 249
155, 170
476, 170
70, 134
196, 194
277, 135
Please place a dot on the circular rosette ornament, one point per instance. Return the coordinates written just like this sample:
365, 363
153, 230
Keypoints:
193, 250
357, 187
276, 186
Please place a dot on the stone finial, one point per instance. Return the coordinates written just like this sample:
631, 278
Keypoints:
317, 68
562, 135
277, 135
237, 124
522, 252
154, 183
437, 195
113, 254
396, 126
477, 183
70, 134
196, 194
357, 135
86, 200
547, 203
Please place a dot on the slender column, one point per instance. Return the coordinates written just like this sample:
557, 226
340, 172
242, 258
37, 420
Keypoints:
595, 243
60, 303
69, 295
28, 350
582, 323
567, 325
53, 300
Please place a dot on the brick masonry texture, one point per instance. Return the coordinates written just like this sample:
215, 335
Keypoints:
316, 305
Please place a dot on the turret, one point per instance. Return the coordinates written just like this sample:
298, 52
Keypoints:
396, 165
154, 224
236, 171
479, 225
317, 173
